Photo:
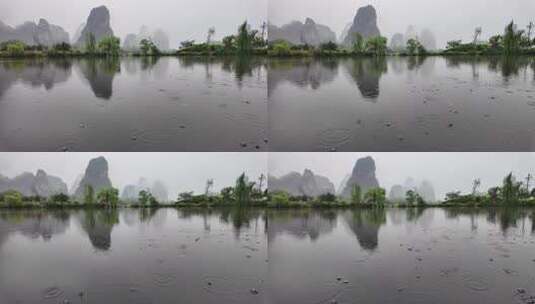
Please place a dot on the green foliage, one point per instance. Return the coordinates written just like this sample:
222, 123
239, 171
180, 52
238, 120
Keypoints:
15, 48
244, 40
280, 199
89, 195
148, 47
227, 194
109, 197
377, 45
110, 46
229, 42
90, 43
281, 48
356, 195
375, 196
511, 39
12, 198
60, 198
411, 197
359, 44
328, 46
62, 47
147, 199
243, 190
187, 44
414, 47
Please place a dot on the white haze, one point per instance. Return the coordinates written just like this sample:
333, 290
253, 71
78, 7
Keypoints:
180, 172
447, 19
446, 171
180, 19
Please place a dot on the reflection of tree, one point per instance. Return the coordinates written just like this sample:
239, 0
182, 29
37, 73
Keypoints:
100, 72
303, 72
365, 224
414, 214
507, 66
366, 73
33, 223
302, 224
34, 72
240, 217
505, 217
148, 62
98, 224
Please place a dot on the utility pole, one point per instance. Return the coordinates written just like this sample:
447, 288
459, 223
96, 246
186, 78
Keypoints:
209, 185
477, 33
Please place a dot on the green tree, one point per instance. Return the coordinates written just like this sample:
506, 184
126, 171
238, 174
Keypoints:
229, 42
376, 196
109, 197
243, 40
280, 199
144, 197
15, 48
110, 46
377, 45
281, 48
356, 195
227, 194
90, 43
495, 41
60, 198
243, 190
13, 198
358, 45
511, 39
411, 197
89, 195
148, 47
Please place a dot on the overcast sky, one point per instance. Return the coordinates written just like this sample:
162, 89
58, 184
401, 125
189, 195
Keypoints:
447, 171
181, 19
448, 19
180, 172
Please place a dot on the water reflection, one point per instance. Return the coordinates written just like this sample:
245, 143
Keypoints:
100, 74
366, 73
34, 72
302, 224
33, 223
303, 73
365, 225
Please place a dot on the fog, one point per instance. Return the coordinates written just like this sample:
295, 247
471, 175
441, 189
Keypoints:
447, 19
446, 171
180, 19
180, 172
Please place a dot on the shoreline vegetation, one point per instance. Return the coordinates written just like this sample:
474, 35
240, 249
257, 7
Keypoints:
248, 42
247, 194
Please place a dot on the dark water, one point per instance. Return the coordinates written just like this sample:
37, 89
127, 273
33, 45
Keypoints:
132, 256
268, 256
402, 104
133, 104
402, 256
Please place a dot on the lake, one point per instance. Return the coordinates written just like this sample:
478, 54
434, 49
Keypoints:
454, 255
402, 104
133, 104
402, 256
132, 256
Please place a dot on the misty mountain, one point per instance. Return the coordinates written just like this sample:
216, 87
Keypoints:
28, 184
297, 32
98, 24
158, 37
96, 175
363, 175
364, 23
296, 184
425, 189
158, 190
31, 33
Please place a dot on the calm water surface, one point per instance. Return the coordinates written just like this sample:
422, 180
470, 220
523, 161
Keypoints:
133, 104
402, 104
402, 256
133, 256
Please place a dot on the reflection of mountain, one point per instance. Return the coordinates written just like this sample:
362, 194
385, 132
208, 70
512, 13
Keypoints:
34, 72
33, 223
365, 224
302, 72
366, 73
100, 73
301, 223
98, 225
